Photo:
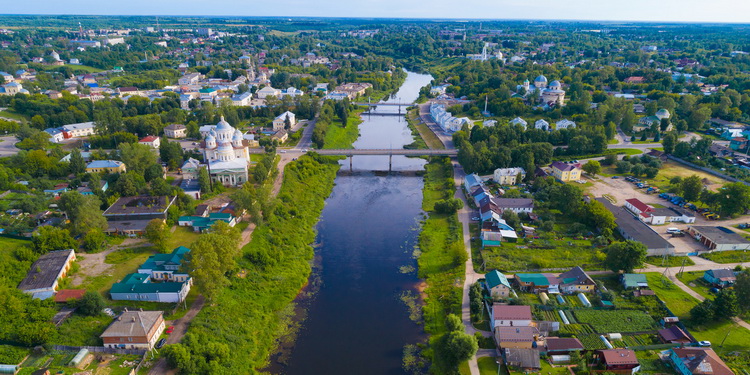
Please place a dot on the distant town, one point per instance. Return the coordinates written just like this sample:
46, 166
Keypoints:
187, 195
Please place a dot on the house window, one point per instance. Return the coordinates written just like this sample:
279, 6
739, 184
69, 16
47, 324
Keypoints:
130, 339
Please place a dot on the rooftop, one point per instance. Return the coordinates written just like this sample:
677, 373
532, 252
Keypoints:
631, 280
516, 334
619, 357
511, 312
496, 278
513, 202
133, 324
720, 235
564, 344
44, 272
635, 228
139, 205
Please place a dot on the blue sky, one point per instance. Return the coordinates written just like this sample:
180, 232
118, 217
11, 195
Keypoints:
629, 10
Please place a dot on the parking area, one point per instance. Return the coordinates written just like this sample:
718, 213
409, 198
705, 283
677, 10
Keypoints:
619, 190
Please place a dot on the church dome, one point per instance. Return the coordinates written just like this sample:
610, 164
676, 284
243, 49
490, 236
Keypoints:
237, 135
555, 85
662, 113
210, 138
223, 125
541, 78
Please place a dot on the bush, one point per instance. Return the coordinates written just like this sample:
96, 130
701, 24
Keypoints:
448, 206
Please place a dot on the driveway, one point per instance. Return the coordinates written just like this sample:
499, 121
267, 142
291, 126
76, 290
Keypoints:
8, 146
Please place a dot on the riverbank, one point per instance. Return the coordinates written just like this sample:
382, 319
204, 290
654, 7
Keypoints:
338, 136
440, 257
251, 313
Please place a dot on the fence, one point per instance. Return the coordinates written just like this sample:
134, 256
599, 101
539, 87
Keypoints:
100, 349
707, 170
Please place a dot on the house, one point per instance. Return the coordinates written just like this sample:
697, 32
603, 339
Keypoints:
520, 337
479, 194
649, 121
65, 295
268, 91
82, 129
619, 359
497, 285
673, 335
471, 181
191, 187
509, 176
55, 135
635, 79
718, 238
107, 166
522, 359
576, 280
541, 125
562, 345
631, 228
565, 124
634, 280
519, 121
730, 133
537, 282
703, 361
166, 267
42, 279
510, 316
720, 277
175, 131
566, 172
130, 215
637, 207
202, 224
281, 136
279, 123
517, 205
496, 230
738, 144
139, 287
151, 141
134, 330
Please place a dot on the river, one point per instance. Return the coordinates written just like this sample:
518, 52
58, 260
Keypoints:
356, 322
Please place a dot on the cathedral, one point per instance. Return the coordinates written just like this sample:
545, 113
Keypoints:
227, 154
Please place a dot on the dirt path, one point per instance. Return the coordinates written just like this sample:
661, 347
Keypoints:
93, 264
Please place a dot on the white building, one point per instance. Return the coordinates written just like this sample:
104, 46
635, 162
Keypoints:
151, 141
175, 131
55, 135
518, 121
189, 79
82, 129
227, 154
243, 99
541, 125
565, 124
508, 176
268, 91
279, 122
445, 120
292, 92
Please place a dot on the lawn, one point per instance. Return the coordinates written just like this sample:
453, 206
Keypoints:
82, 330
672, 169
730, 256
11, 268
128, 263
428, 136
671, 261
182, 236
543, 254
675, 298
488, 366
12, 115
738, 339
604, 321
338, 137
651, 363
695, 281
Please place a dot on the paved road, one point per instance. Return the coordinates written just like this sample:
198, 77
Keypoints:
8, 146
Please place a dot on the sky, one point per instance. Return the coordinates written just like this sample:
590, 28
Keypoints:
734, 11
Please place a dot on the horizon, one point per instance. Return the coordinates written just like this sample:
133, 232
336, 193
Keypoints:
667, 11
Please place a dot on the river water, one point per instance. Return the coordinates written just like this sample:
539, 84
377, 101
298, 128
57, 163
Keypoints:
356, 322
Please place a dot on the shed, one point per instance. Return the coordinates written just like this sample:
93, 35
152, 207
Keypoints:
8, 369
557, 359
79, 357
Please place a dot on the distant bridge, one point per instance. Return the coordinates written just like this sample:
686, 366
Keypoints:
385, 104
388, 151
399, 114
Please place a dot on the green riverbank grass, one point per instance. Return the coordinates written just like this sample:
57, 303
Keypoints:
251, 313
338, 137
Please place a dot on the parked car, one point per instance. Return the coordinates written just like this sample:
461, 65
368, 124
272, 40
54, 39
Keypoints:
476, 218
704, 343
161, 343
109, 312
615, 177
170, 329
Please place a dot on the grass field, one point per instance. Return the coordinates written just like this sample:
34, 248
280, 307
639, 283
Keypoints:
343, 137
549, 254
672, 169
694, 280
127, 262
12, 115
675, 298
488, 366
730, 256
428, 136
669, 262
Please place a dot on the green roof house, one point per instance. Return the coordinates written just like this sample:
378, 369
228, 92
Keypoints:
159, 279
497, 285
634, 280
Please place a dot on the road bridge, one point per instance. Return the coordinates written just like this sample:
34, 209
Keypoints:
350, 153
384, 104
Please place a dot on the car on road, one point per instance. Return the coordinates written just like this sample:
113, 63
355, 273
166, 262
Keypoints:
170, 329
283, 151
704, 343
161, 343
615, 177
109, 312
475, 218
304, 150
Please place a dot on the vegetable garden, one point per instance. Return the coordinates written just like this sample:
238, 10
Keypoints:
616, 321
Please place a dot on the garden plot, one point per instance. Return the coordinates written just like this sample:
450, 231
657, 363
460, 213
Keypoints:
616, 321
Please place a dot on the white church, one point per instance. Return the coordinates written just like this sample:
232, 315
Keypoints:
227, 153
551, 95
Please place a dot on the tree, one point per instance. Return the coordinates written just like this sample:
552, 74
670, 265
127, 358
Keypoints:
592, 167
77, 164
454, 323
625, 256
448, 206
50, 238
95, 240
178, 356
599, 217
83, 211
669, 141
742, 288
511, 218
733, 198
691, 188
726, 304
137, 157
702, 313
157, 232
623, 166
204, 180
211, 257
610, 159
456, 347
91, 304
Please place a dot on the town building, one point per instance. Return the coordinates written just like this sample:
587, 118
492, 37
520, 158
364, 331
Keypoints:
175, 131
279, 123
517, 337
159, 279
523, 360
519, 121
509, 176
134, 330
106, 166
565, 124
692, 360
204, 223
511, 316
721, 278
636, 230
82, 129
718, 238
566, 172
619, 359
542, 124
151, 141
42, 279
353, 90
130, 215
55, 135
446, 120
658, 216
227, 153
268, 91
497, 285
